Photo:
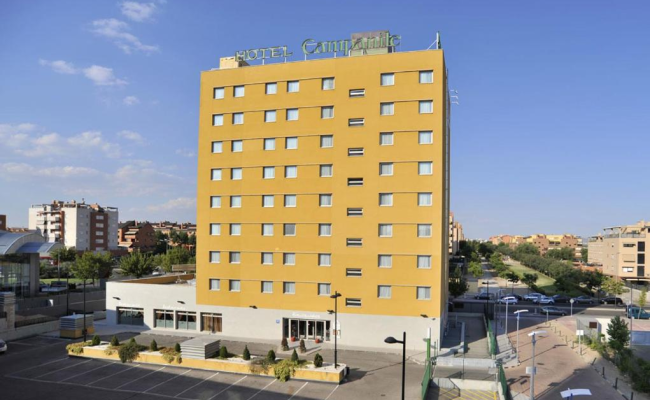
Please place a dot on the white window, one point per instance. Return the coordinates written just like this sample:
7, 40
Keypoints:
238, 91
424, 199
215, 201
215, 229
267, 287
327, 112
292, 114
215, 174
217, 147
353, 302
324, 260
215, 284
358, 151
290, 171
425, 137
217, 120
355, 181
425, 168
293, 86
424, 293
291, 143
328, 83
384, 292
326, 171
271, 88
269, 172
269, 116
426, 76
324, 229
387, 79
628, 269
385, 230
290, 200
267, 258
289, 229
289, 287
426, 107
385, 199
355, 212
386, 139
357, 92
385, 169
385, 261
424, 230
326, 141
387, 108
235, 257
235, 201
215, 257
356, 242
235, 229
236, 174
356, 122
268, 200
237, 146
424, 262
289, 258
237, 118
324, 289
269, 144
325, 200
267, 229
353, 272
235, 285
218, 93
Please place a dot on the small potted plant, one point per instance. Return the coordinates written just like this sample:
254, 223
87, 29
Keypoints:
317, 340
293, 338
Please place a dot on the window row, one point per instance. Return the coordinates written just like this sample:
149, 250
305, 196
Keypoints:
324, 200
385, 230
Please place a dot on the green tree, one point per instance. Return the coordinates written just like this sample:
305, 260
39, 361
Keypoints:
457, 283
613, 286
619, 334
93, 266
525, 249
64, 254
584, 253
486, 249
593, 279
175, 255
161, 242
475, 269
136, 264
529, 279
514, 278
247, 354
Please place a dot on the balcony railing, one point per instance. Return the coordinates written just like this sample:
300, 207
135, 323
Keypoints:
625, 235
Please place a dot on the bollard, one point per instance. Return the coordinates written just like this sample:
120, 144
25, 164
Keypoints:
572, 345
632, 396
603, 371
616, 383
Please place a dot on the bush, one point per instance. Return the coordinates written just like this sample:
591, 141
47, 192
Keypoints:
284, 344
77, 348
128, 352
223, 352
153, 346
247, 354
303, 348
96, 341
114, 341
169, 355
270, 356
294, 356
318, 360
132, 341
177, 347
285, 369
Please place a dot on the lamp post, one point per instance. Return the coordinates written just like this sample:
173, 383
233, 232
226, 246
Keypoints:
532, 370
518, 312
487, 298
572, 301
507, 300
392, 340
336, 296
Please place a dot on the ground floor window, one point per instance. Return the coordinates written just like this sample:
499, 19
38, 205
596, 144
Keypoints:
186, 320
306, 329
130, 316
164, 319
211, 322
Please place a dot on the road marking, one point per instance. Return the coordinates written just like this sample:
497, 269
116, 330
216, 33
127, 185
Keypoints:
193, 386
85, 372
233, 384
101, 379
61, 369
298, 390
332, 392
40, 365
262, 389
170, 379
23, 344
137, 379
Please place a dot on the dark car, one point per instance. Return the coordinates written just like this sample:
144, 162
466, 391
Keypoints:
612, 300
553, 311
561, 298
484, 296
583, 300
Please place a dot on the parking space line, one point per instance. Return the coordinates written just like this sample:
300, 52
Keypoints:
262, 389
119, 372
137, 379
332, 392
61, 369
85, 372
170, 379
298, 390
233, 384
24, 344
193, 386
39, 365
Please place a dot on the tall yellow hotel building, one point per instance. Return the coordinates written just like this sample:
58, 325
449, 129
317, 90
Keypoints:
324, 176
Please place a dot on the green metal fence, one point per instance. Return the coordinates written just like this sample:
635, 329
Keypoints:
426, 378
492, 338
504, 384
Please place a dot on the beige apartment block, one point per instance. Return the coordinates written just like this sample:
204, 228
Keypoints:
456, 234
621, 250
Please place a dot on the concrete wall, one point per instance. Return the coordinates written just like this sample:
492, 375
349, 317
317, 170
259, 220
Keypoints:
30, 330
95, 301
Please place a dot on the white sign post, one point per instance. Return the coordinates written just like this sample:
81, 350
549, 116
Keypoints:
579, 334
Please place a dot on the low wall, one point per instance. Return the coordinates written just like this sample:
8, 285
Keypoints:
465, 384
467, 362
30, 330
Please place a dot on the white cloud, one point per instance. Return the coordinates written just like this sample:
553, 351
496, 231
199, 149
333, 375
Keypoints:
132, 136
131, 100
102, 76
16, 170
185, 152
117, 31
60, 66
138, 12
174, 204
93, 139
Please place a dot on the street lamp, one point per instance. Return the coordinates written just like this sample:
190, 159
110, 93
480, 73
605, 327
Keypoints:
392, 340
507, 301
518, 312
336, 296
573, 301
487, 298
532, 369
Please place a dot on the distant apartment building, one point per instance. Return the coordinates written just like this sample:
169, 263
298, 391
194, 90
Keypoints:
511, 240
621, 251
455, 234
76, 224
543, 242
3, 222
167, 227
140, 236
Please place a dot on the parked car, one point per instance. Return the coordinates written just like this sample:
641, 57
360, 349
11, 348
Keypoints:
532, 296
544, 300
508, 300
583, 300
561, 298
484, 296
516, 296
612, 300
637, 313
3, 346
553, 311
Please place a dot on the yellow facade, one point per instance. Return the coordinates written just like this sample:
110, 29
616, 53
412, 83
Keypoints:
362, 72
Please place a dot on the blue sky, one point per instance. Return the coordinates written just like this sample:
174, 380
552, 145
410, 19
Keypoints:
99, 100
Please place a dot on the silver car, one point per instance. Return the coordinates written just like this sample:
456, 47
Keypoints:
3, 346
